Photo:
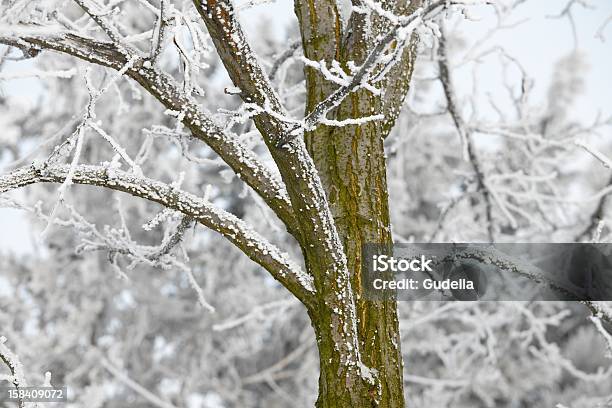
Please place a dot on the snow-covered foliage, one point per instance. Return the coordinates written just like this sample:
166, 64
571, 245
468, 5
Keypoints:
148, 299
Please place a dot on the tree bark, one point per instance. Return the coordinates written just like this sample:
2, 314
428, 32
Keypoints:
351, 163
352, 168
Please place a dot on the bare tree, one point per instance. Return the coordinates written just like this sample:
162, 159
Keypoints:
332, 196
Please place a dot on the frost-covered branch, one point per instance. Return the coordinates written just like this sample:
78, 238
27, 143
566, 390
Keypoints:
492, 256
99, 15
600, 310
603, 209
232, 228
282, 58
118, 242
152, 399
174, 239
242, 65
365, 76
241, 159
465, 135
17, 377
607, 162
319, 238
159, 31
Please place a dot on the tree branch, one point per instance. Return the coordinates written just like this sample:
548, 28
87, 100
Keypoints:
17, 377
159, 32
287, 54
149, 396
604, 205
232, 228
466, 136
174, 239
110, 30
320, 243
396, 82
241, 159
362, 75
492, 256
296, 167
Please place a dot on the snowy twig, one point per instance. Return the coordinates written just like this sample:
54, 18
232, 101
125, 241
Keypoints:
196, 287
595, 153
280, 60
174, 239
15, 367
153, 399
99, 16
598, 216
255, 314
159, 32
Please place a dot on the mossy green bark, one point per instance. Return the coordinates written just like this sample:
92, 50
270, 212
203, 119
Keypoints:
351, 164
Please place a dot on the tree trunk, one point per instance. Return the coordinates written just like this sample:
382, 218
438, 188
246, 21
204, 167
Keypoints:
351, 164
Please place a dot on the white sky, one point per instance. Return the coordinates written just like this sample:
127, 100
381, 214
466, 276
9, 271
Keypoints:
538, 44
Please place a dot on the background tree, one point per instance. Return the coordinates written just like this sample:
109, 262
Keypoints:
130, 82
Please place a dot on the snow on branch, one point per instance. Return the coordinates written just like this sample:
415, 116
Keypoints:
492, 256
467, 144
234, 229
607, 162
116, 147
17, 375
259, 312
159, 31
352, 121
150, 397
99, 15
315, 221
242, 160
375, 66
32, 41
118, 242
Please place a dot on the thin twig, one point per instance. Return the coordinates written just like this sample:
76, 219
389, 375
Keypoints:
293, 47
